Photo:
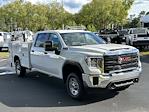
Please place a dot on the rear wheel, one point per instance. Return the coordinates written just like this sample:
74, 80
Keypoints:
74, 86
20, 71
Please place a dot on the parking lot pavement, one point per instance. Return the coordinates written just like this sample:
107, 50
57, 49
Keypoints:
3, 62
5, 69
39, 93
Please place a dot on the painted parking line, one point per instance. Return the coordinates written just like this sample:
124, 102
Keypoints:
6, 71
1, 60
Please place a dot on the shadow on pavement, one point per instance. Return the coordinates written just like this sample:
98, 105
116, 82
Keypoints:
37, 90
145, 59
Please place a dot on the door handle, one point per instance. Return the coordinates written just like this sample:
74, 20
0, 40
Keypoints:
45, 53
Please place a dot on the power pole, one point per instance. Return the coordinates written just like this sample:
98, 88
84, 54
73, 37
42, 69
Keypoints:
63, 26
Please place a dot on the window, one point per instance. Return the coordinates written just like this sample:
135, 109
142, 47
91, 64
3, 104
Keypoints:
54, 38
81, 38
43, 37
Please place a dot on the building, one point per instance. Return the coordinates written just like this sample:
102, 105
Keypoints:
145, 21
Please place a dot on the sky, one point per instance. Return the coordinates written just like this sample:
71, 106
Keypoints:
73, 6
138, 6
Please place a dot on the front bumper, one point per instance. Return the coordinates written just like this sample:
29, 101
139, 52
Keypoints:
140, 43
124, 78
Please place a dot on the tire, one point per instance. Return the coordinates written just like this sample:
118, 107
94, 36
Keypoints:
20, 71
74, 86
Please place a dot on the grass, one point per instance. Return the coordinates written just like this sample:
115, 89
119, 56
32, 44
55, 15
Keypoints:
4, 55
144, 53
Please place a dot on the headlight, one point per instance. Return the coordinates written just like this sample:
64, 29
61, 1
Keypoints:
95, 62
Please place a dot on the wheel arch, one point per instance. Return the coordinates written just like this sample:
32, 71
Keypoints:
71, 66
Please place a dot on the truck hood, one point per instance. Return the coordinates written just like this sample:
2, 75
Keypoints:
109, 49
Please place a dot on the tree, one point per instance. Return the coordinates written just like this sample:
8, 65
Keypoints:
33, 16
96, 15
103, 13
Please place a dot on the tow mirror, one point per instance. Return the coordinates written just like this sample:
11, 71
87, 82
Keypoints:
48, 45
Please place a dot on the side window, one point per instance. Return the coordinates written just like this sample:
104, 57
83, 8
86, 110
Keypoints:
56, 42
41, 38
90, 40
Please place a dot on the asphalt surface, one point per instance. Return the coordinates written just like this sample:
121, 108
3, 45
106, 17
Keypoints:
40, 93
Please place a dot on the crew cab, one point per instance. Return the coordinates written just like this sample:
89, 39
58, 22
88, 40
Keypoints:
137, 37
80, 58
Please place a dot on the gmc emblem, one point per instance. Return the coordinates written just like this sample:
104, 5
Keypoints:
123, 59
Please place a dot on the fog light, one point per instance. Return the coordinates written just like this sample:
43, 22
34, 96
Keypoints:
136, 80
95, 80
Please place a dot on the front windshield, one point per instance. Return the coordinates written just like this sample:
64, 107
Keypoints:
123, 32
139, 31
81, 38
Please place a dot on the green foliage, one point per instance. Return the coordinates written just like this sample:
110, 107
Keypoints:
135, 22
95, 15
31, 16
104, 13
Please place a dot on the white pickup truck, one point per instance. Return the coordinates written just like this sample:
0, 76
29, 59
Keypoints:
79, 58
138, 37
5, 37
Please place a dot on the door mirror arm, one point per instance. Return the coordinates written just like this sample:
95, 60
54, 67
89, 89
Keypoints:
57, 52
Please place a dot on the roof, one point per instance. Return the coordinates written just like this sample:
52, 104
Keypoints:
138, 28
145, 19
63, 31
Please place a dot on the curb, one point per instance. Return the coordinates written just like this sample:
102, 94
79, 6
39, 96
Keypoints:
6, 71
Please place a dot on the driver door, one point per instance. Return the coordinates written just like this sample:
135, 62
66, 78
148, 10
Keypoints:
47, 61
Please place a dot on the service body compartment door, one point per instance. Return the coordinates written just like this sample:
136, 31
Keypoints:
25, 52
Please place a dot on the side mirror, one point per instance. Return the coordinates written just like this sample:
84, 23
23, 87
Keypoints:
48, 45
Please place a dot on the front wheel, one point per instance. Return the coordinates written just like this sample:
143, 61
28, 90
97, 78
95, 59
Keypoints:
20, 71
74, 86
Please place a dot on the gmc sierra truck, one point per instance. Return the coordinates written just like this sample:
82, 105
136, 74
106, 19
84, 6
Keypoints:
80, 58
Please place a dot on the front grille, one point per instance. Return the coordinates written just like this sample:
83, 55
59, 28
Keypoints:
112, 63
146, 35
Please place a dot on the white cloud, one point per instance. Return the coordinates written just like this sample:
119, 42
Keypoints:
75, 5
37, 1
72, 6
138, 6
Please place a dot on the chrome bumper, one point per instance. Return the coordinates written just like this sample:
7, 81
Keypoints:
123, 78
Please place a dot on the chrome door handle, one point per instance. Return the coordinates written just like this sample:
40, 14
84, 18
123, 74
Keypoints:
45, 53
